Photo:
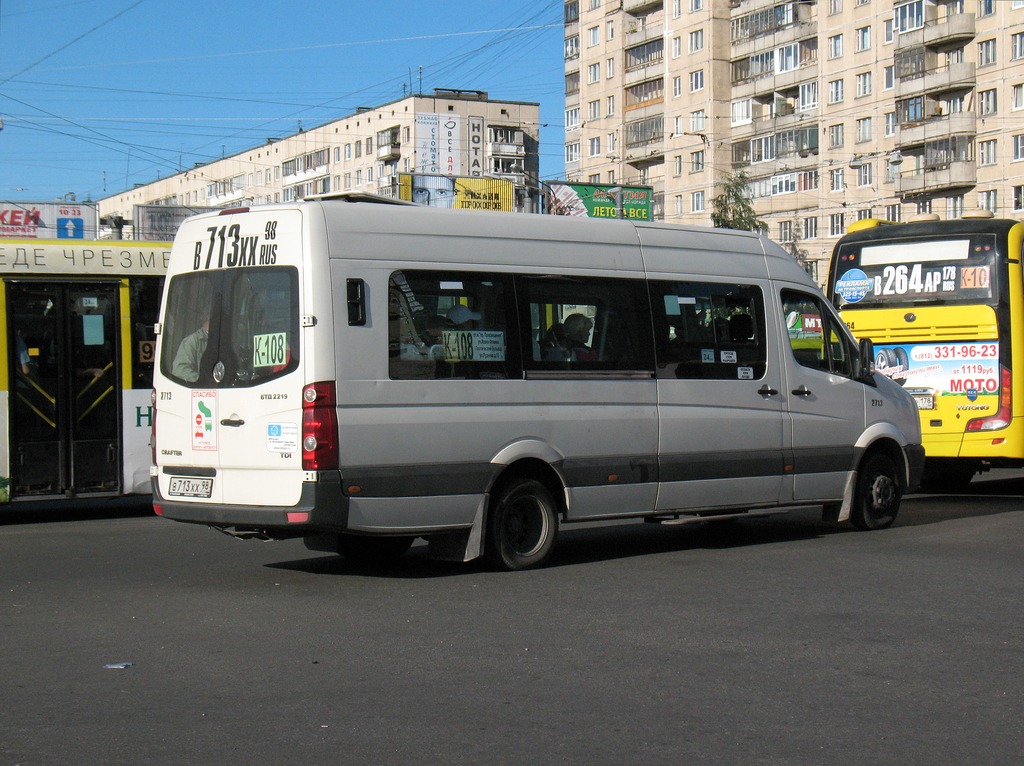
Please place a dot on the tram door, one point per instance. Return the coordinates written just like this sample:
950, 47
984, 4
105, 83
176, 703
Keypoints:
64, 388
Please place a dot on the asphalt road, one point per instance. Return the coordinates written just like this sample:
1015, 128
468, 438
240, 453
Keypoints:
774, 641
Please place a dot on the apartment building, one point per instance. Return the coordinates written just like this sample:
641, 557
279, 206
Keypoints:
836, 109
448, 133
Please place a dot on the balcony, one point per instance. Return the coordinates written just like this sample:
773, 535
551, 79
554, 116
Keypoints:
639, 74
389, 151
635, 7
958, 28
953, 77
936, 178
643, 33
506, 150
792, 33
648, 151
934, 128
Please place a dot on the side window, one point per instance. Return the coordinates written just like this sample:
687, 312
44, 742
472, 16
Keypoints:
709, 330
447, 324
584, 324
815, 334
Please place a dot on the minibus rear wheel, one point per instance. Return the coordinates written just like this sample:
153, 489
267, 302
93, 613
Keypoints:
877, 499
521, 525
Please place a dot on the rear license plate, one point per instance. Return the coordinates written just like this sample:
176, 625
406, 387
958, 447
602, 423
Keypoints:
182, 486
925, 402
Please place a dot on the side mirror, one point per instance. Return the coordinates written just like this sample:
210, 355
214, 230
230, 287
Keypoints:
866, 362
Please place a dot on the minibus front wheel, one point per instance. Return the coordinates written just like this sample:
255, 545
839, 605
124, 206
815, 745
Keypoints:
521, 525
877, 498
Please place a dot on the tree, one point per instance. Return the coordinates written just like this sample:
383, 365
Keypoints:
732, 209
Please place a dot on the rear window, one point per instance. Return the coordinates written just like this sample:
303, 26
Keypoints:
231, 328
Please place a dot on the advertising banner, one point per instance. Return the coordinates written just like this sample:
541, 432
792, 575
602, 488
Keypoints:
48, 220
459, 192
600, 201
160, 222
968, 371
438, 143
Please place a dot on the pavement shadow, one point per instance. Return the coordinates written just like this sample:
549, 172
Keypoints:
76, 508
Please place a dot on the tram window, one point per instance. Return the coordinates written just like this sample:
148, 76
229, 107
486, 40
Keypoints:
144, 304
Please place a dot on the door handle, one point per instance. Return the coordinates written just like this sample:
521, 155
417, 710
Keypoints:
767, 390
232, 422
802, 391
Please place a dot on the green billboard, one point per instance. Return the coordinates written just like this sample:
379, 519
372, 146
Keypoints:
600, 200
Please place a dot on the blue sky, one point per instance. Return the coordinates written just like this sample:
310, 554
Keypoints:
99, 95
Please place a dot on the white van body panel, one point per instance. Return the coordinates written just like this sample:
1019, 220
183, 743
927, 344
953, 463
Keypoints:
422, 456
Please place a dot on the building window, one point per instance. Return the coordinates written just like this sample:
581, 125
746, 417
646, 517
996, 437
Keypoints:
785, 231
808, 98
677, 87
863, 84
594, 110
593, 36
609, 68
892, 213
835, 136
697, 120
987, 103
679, 204
889, 77
909, 16
1018, 146
697, 161
864, 129
835, 91
988, 200
987, 152
572, 152
888, 30
593, 73
811, 227
865, 174
697, 202
986, 7
696, 80
835, 46
955, 206
740, 110
863, 37
572, 119
864, 214
696, 40
836, 224
610, 29
835, 180
986, 52
610, 104
1018, 198
595, 146
1017, 46
612, 143
677, 47
1017, 96
834, 7
890, 124
696, 5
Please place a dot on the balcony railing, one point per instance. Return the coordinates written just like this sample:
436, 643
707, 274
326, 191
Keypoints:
937, 177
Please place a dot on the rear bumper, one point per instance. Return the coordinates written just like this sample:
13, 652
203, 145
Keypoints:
915, 464
322, 507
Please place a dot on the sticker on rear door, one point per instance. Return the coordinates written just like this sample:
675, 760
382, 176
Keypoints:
283, 437
204, 420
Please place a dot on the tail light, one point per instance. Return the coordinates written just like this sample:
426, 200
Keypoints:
319, 427
1002, 418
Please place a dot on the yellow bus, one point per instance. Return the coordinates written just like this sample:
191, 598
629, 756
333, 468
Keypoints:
77, 342
944, 305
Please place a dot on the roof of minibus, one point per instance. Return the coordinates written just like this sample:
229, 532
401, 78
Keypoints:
368, 230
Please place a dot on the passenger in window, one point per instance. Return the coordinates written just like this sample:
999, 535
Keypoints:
190, 353
576, 330
462, 318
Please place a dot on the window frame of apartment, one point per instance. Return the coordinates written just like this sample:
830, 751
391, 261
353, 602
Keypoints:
908, 16
836, 136
808, 95
836, 91
1017, 143
696, 81
1017, 46
697, 40
1017, 196
988, 152
1017, 96
810, 226
698, 201
987, 53
697, 161
863, 82
593, 73
698, 120
836, 224
835, 46
837, 180
863, 129
862, 39
988, 199
594, 109
988, 102
865, 174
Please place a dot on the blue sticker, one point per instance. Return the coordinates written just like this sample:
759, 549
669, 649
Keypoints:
853, 286
274, 429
